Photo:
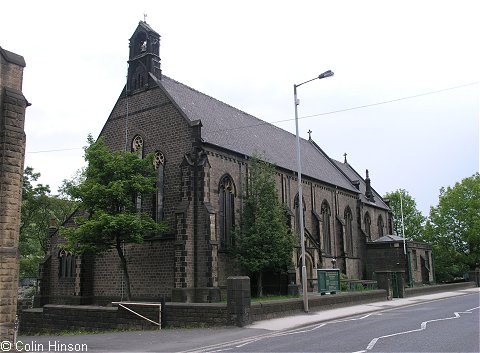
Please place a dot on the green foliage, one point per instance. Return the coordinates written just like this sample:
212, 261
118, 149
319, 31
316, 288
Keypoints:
454, 229
413, 219
264, 240
38, 208
107, 191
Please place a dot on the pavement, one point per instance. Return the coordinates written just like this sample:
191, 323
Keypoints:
313, 317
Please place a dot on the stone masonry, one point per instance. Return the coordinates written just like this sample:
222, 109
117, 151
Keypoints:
12, 153
205, 146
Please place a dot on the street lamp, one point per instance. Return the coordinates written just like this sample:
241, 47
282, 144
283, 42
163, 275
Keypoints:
300, 197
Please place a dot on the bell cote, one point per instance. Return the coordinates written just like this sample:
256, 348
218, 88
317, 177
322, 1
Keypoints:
144, 57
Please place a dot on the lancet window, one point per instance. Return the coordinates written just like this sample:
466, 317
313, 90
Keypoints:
368, 225
137, 148
349, 231
159, 164
380, 226
227, 211
326, 214
66, 264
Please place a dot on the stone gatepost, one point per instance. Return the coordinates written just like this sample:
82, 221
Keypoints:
384, 281
238, 300
388, 280
12, 152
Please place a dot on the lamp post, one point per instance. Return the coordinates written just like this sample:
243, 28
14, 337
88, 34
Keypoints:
300, 196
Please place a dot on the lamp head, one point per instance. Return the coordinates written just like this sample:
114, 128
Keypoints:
326, 74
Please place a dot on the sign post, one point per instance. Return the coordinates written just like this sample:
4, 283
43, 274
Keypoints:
328, 280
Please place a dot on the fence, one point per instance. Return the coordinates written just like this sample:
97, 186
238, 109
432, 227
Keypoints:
352, 285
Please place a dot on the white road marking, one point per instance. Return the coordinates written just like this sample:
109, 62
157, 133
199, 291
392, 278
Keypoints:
423, 326
219, 347
246, 341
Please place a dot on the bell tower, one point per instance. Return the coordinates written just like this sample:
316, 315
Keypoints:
144, 57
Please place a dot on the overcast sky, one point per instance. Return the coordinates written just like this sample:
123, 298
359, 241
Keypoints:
420, 56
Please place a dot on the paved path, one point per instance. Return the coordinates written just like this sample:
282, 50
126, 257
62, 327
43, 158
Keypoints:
295, 321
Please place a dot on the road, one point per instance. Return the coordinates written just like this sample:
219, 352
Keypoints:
448, 325
443, 325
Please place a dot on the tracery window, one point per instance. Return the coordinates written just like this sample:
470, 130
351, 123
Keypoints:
368, 225
137, 148
159, 163
380, 226
326, 214
227, 211
349, 231
66, 264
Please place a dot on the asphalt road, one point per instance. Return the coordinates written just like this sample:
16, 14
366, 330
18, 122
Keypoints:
444, 325
447, 325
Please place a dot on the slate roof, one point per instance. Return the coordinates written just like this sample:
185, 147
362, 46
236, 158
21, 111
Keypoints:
145, 26
353, 176
12, 57
235, 130
388, 238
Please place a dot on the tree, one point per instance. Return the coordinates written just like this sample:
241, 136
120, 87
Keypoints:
38, 208
108, 192
264, 239
412, 218
454, 229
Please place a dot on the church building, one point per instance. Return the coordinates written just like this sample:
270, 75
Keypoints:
202, 148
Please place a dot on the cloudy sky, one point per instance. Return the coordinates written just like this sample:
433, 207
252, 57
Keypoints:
404, 101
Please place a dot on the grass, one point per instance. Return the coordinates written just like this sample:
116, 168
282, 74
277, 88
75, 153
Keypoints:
274, 297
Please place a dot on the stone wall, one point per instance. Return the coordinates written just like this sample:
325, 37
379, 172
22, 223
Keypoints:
150, 267
278, 308
428, 289
57, 318
12, 153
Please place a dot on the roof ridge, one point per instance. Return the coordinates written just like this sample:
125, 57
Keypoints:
261, 122
234, 129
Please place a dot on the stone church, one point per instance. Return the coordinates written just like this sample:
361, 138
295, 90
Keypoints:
202, 148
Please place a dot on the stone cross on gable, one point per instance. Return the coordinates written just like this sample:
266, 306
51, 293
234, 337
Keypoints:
345, 157
145, 17
309, 134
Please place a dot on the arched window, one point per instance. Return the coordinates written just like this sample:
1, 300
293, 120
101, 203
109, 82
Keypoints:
138, 78
368, 225
159, 163
349, 231
140, 45
137, 148
380, 226
297, 213
325, 214
227, 211
66, 264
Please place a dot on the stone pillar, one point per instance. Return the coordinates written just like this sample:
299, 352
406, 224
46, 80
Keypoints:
387, 279
384, 281
238, 300
12, 153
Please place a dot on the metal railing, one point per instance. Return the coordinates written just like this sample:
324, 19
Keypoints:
359, 284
